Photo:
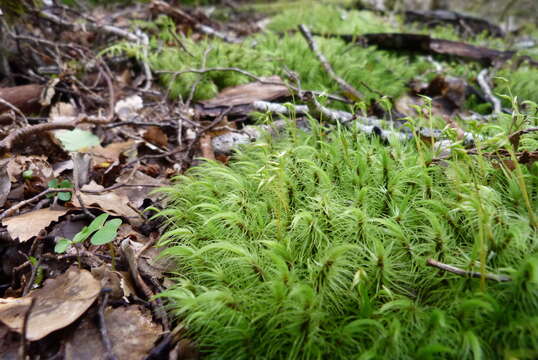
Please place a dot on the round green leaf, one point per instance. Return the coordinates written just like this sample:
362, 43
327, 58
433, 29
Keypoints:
86, 231
61, 245
77, 139
107, 233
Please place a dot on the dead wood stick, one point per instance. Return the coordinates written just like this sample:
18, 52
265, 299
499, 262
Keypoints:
7, 143
488, 94
17, 206
461, 272
23, 349
103, 330
347, 88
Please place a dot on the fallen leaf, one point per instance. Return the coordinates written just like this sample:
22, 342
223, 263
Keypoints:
242, 96
111, 153
117, 281
156, 136
58, 303
38, 165
131, 332
109, 201
77, 139
137, 194
27, 225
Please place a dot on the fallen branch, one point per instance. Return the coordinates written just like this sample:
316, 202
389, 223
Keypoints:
17, 136
488, 94
472, 274
426, 44
23, 350
103, 330
346, 88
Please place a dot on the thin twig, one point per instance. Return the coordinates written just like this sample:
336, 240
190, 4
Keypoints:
19, 205
102, 325
347, 88
23, 348
14, 108
461, 272
488, 94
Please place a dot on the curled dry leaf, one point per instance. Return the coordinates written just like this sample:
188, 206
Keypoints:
117, 281
111, 153
28, 225
59, 302
131, 332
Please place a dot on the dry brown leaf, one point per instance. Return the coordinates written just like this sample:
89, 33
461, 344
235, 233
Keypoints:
109, 201
117, 281
138, 194
156, 136
131, 332
58, 303
39, 166
27, 225
248, 93
111, 153
242, 96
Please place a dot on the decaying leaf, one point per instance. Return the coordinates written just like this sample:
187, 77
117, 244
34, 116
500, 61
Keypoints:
117, 281
131, 332
38, 165
58, 303
109, 201
156, 136
112, 152
27, 225
137, 194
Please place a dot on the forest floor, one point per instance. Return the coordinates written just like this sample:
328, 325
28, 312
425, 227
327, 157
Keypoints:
99, 106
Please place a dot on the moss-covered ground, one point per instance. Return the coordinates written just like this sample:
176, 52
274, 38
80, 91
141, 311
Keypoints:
315, 245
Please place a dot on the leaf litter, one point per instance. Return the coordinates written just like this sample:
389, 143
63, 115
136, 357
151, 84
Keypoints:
111, 134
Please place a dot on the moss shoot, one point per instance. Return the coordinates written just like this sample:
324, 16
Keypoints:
315, 246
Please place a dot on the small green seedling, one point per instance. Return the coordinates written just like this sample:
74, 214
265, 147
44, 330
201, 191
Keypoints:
27, 174
64, 184
103, 233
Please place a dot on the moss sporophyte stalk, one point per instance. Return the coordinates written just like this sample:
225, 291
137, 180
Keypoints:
315, 246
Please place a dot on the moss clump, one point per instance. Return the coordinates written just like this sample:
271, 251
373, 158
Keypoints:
315, 247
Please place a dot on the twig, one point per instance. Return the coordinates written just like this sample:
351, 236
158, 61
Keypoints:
483, 82
199, 134
23, 348
19, 205
102, 325
347, 88
7, 143
14, 108
461, 272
